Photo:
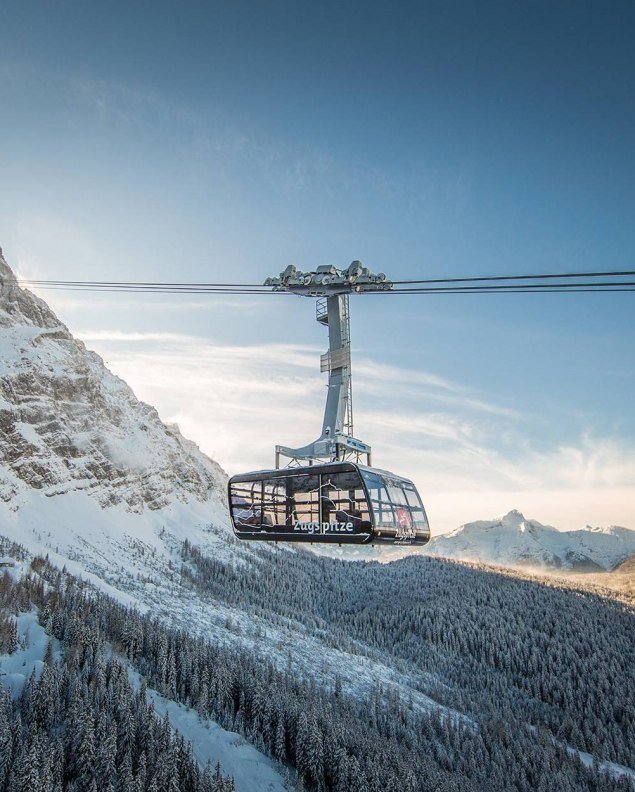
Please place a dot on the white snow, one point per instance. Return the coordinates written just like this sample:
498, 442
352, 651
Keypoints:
587, 759
514, 540
113, 545
252, 770
16, 668
616, 770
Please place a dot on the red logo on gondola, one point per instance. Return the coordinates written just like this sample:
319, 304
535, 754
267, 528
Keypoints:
403, 518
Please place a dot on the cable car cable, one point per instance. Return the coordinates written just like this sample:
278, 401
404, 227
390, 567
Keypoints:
260, 286
513, 289
487, 285
148, 284
529, 286
620, 273
161, 290
520, 290
421, 289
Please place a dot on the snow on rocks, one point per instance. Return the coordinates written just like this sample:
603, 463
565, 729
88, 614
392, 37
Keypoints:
70, 425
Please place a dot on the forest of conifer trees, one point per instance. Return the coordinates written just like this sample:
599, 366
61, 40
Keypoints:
81, 718
497, 647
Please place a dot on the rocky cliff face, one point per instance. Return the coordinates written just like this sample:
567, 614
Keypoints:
67, 424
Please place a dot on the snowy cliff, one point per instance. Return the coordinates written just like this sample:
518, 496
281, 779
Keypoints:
68, 424
81, 459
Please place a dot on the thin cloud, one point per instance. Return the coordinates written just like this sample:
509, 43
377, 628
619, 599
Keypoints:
59, 300
381, 379
117, 335
238, 402
394, 375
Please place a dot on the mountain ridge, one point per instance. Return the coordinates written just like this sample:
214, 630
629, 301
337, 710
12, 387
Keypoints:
513, 540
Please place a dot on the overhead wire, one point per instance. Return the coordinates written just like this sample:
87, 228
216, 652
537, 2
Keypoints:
161, 290
141, 284
563, 275
507, 287
549, 283
513, 290
204, 284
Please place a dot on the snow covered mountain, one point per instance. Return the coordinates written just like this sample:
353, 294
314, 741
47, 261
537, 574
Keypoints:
69, 425
513, 540
80, 456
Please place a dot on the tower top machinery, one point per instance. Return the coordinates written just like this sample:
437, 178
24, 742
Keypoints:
332, 288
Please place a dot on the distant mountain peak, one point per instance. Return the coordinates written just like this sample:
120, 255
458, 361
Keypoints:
514, 514
514, 520
513, 540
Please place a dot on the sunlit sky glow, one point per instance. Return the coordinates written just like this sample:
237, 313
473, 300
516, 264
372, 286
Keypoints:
223, 141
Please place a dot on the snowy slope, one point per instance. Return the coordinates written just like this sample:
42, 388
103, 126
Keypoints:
513, 540
17, 667
250, 769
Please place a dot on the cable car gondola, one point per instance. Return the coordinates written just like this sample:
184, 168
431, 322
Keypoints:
338, 500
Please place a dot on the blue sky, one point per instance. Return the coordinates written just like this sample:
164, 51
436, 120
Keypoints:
223, 141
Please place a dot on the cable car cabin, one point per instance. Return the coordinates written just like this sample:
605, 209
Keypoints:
338, 502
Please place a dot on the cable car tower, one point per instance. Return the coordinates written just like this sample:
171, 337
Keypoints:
329, 492
332, 288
